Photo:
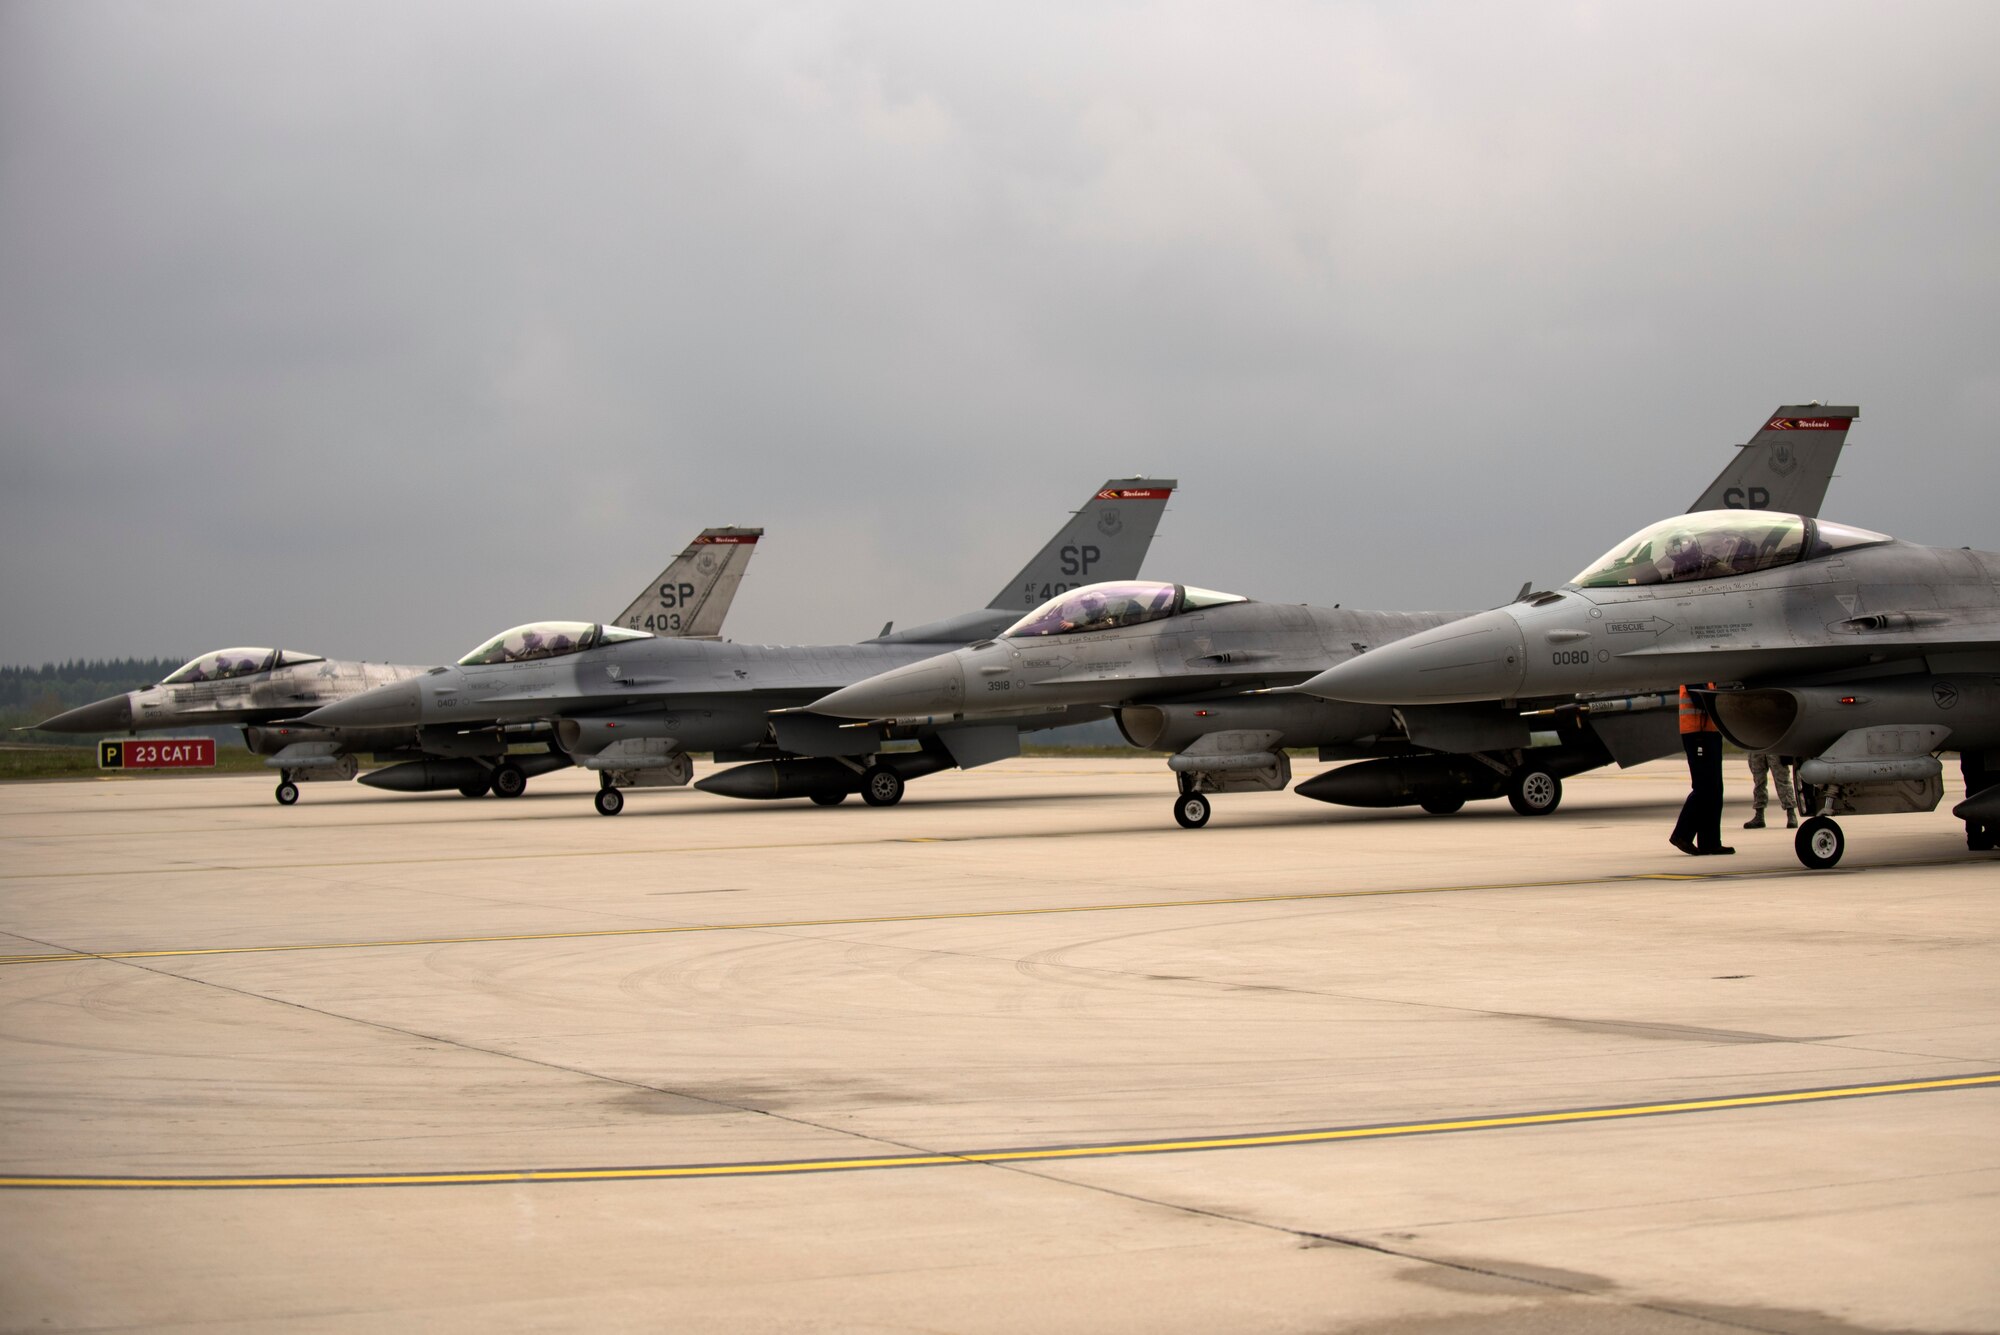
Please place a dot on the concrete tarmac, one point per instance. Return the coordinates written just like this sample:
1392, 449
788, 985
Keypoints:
1017, 1054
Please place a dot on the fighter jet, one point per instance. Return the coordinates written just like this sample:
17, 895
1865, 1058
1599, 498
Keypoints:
1180, 667
1173, 662
266, 690
632, 706
1857, 656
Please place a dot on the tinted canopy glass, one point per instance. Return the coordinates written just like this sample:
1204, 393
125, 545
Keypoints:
1711, 544
224, 664
1108, 606
547, 639
1830, 537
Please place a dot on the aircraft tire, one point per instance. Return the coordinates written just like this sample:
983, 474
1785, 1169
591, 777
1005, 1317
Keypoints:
828, 799
477, 788
608, 801
1442, 806
1533, 791
1192, 810
1819, 843
288, 793
508, 781
881, 786
1980, 840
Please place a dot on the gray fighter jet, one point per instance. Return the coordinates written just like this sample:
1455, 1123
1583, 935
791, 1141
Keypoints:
632, 706
1179, 667
1173, 662
266, 690
1856, 655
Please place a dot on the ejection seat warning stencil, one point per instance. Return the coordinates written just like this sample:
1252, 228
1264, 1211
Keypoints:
158, 753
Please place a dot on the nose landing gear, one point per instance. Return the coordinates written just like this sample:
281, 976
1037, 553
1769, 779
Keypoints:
1819, 843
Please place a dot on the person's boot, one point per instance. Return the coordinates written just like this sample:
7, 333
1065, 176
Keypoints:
1791, 819
1756, 821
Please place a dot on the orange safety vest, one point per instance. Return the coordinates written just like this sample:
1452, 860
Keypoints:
1693, 717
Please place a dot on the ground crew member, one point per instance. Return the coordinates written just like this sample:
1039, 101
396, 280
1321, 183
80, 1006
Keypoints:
1763, 765
1699, 830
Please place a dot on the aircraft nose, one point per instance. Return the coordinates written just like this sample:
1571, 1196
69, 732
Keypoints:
1478, 657
398, 704
918, 690
111, 714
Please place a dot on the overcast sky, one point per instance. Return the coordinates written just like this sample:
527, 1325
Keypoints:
372, 328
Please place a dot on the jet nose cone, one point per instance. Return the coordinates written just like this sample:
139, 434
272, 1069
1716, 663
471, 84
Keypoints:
112, 714
934, 686
399, 704
1474, 658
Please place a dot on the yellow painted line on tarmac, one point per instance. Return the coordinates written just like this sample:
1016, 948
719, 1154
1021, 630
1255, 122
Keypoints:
780, 924
1031, 1154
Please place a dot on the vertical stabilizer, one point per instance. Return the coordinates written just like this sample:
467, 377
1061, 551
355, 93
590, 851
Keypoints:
1106, 539
1786, 465
690, 597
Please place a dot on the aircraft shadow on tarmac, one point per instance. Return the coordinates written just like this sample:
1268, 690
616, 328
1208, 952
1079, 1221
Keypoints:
854, 818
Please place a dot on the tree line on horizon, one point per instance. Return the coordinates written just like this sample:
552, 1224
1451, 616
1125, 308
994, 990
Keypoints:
30, 694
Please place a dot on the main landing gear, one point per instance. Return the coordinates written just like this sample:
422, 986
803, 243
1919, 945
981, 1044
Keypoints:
1533, 791
1191, 810
508, 780
881, 786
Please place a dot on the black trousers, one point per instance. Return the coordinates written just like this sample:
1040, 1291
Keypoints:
1701, 814
1978, 778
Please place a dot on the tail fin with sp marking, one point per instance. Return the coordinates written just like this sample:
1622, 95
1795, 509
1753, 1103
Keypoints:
690, 598
1105, 540
1786, 466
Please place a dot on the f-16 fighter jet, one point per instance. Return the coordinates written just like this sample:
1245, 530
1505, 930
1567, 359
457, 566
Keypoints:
1179, 665
267, 689
1857, 654
632, 706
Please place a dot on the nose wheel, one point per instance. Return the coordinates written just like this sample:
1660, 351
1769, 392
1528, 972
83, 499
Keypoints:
1191, 810
288, 793
608, 801
1819, 843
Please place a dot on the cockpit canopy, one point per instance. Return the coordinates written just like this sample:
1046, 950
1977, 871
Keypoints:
547, 639
226, 663
1710, 544
1107, 606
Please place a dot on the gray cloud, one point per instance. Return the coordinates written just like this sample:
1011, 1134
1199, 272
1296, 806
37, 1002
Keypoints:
372, 328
